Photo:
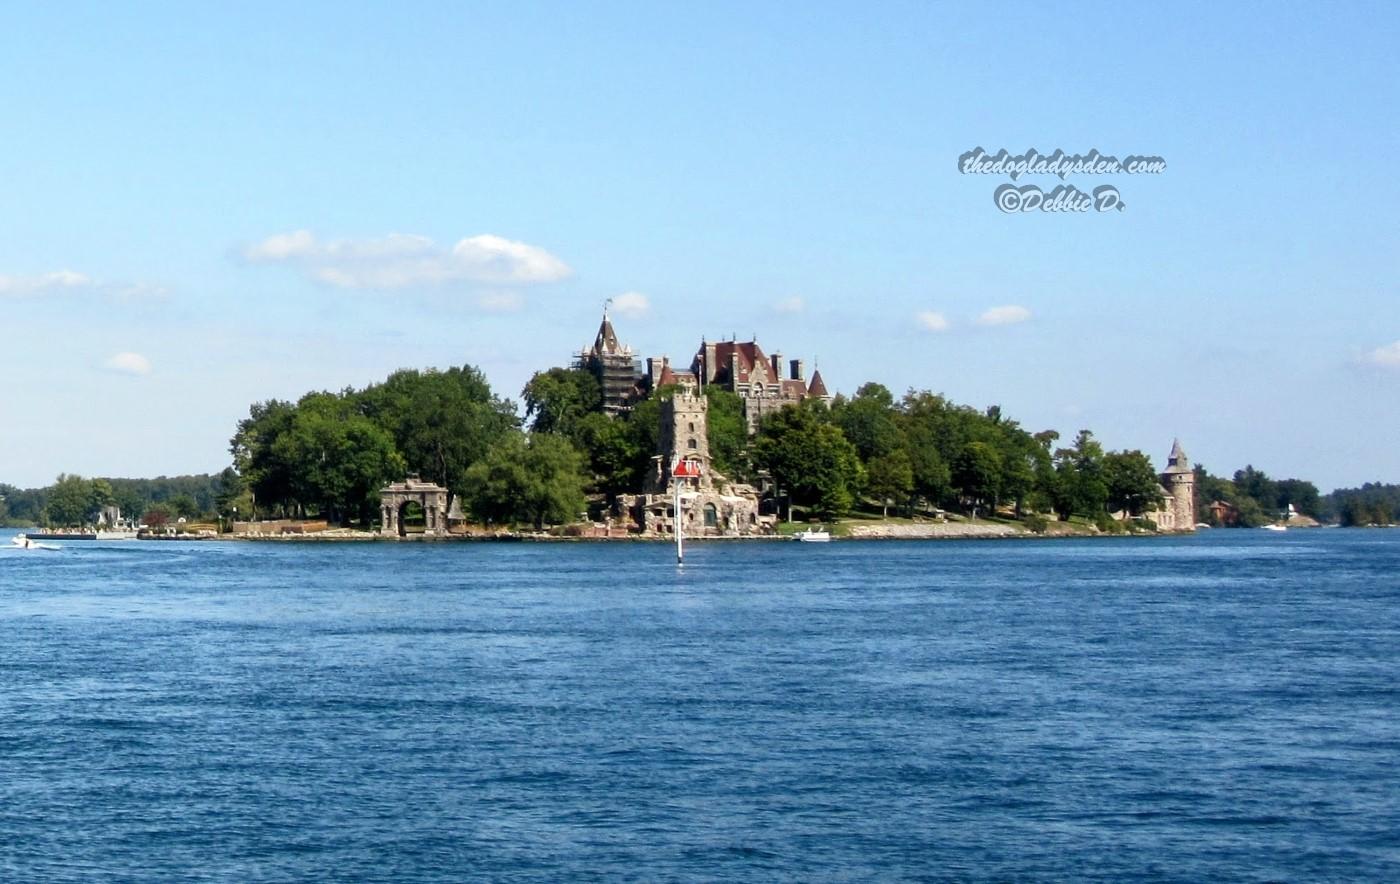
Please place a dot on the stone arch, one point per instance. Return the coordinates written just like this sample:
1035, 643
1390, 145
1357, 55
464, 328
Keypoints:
393, 499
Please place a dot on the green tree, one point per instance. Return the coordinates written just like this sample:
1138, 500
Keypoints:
338, 459
69, 500
890, 477
1302, 495
268, 475
611, 453
442, 422
1132, 482
726, 430
557, 399
183, 506
810, 458
1080, 487
537, 480
869, 421
977, 474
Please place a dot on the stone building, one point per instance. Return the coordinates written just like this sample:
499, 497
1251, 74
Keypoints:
395, 498
1178, 511
744, 369
616, 367
711, 505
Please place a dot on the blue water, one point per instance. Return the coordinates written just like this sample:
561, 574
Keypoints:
1224, 706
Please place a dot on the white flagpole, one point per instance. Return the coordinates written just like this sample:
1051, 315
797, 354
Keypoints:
680, 527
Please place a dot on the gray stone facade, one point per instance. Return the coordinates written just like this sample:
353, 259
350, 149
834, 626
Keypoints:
711, 505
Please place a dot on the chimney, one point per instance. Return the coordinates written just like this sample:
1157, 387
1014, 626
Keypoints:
654, 367
796, 366
776, 361
710, 359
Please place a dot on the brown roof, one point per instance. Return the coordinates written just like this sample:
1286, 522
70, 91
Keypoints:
606, 341
817, 388
749, 354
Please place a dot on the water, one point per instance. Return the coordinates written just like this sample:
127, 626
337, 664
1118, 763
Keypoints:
1217, 707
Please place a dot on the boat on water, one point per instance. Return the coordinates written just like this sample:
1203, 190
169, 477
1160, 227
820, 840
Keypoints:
1274, 527
24, 541
813, 535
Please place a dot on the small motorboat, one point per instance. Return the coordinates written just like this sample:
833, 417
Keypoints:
1274, 527
24, 541
813, 535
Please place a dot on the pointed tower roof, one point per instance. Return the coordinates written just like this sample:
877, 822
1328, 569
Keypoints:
817, 388
1177, 461
606, 342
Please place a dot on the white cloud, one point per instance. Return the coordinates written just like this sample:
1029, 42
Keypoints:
790, 305
43, 284
129, 363
633, 304
1386, 357
402, 260
933, 321
1007, 315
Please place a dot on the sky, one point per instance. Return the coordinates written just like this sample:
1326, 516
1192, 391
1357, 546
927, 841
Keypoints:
207, 205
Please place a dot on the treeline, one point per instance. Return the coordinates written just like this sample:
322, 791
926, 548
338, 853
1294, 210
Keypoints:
1255, 499
1371, 504
327, 455
73, 501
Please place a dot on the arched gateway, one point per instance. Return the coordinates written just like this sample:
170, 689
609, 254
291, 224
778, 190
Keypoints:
428, 495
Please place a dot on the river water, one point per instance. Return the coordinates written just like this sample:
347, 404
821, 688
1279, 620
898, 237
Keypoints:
1225, 706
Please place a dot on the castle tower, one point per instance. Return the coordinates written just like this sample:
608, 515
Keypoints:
1179, 479
615, 366
683, 435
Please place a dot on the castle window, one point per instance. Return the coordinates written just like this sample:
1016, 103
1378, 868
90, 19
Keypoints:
692, 426
711, 516
691, 444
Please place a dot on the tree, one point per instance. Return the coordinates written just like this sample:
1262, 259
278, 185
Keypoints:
868, 421
977, 474
268, 475
1080, 487
183, 506
1131, 482
810, 458
538, 480
158, 516
442, 422
338, 460
726, 430
1301, 494
69, 500
890, 477
611, 452
557, 399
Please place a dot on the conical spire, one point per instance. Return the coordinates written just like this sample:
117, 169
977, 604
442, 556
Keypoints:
606, 342
1177, 461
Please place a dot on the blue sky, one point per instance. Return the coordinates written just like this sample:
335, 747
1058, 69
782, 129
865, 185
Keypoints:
204, 207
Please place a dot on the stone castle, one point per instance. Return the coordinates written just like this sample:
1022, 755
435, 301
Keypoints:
741, 367
1178, 510
711, 505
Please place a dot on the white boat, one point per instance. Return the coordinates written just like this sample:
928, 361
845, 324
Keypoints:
24, 541
1274, 527
813, 535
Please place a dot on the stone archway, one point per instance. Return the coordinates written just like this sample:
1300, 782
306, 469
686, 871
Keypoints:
428, 495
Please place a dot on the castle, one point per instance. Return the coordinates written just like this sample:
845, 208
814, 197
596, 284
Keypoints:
1178, 512
742, 368
614, 365
710, 504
